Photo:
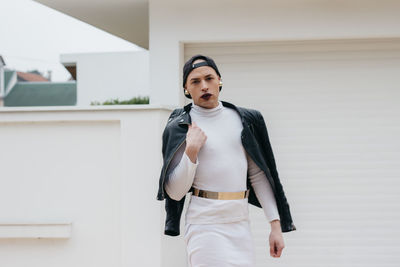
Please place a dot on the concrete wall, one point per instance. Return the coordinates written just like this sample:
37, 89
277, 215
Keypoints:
79, 185
111, 75
175, 22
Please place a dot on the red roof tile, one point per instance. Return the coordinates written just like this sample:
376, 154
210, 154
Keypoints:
31, 77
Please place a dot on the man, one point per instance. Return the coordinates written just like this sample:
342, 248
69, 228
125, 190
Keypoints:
222, 154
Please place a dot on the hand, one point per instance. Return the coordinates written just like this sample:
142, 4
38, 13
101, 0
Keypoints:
195, 139
276, 243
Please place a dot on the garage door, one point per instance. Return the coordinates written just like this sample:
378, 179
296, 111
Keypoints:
333, 113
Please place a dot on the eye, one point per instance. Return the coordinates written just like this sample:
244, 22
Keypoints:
195, 82
210, 78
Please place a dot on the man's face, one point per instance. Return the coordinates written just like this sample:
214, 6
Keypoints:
203, 85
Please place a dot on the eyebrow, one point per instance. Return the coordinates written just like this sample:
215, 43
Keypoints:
196, 78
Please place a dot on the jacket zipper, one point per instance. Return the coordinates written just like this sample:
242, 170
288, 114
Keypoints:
166, 168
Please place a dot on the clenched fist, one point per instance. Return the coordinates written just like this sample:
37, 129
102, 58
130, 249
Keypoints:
276, 244
195, 139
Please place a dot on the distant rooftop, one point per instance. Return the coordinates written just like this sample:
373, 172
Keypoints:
34, 76
2, 62
42, 94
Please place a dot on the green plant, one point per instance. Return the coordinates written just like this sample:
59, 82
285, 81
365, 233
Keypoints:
137, 100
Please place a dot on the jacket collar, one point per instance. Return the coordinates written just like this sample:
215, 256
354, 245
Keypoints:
186, 119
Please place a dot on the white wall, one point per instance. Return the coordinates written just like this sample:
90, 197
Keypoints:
111, 75
79, 185
332, 109
176, 21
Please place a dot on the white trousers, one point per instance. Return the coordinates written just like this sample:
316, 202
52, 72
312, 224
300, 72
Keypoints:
220, 245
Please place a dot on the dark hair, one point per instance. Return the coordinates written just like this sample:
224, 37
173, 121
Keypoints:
189, 66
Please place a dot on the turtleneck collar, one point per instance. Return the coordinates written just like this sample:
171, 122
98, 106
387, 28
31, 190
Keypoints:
207, 111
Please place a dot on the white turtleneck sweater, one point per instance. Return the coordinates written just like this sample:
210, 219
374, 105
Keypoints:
222, 165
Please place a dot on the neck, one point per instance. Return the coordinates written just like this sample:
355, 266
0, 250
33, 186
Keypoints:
208, 105
202, 110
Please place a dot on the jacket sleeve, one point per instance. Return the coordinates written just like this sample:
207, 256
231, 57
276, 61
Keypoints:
173, 208
165, 140
263, 190
283, 205
266, 145
165, 135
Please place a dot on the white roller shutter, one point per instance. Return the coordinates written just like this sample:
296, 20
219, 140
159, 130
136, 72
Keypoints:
333, 113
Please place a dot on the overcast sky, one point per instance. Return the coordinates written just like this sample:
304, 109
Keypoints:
32, 36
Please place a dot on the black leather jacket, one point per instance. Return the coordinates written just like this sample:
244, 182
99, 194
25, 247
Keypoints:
256, 142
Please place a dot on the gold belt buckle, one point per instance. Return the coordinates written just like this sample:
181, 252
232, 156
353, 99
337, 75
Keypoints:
220, 195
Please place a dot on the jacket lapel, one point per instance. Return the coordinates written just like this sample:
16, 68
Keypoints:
185, 117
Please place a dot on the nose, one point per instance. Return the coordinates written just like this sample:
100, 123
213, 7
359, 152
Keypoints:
204, 86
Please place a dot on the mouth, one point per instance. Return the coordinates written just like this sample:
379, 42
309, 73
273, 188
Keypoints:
206, 96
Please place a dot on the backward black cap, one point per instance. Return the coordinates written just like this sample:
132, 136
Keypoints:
189, 66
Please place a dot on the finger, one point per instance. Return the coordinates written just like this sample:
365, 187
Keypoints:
272, 249
279, 252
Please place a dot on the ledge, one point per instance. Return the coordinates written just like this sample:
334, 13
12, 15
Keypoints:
86, 108
35, 230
